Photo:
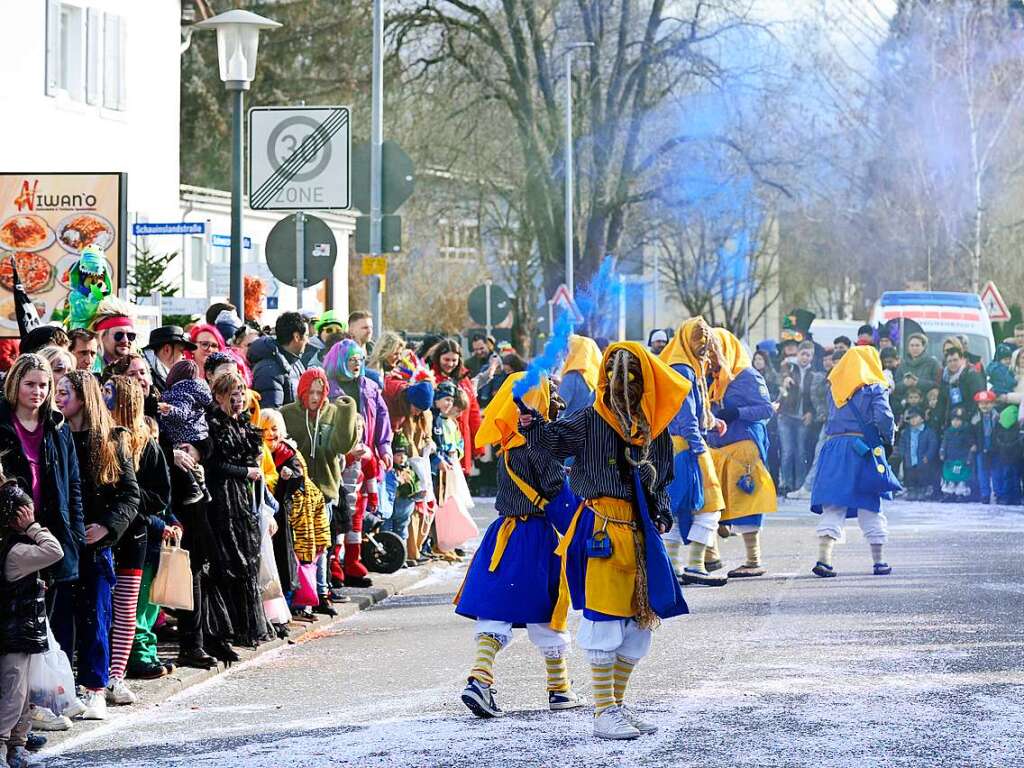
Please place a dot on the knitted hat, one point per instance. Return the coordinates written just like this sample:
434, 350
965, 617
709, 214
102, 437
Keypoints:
1003, 351
958, 413
228, 323
12, 498
420, 395
444, 389
330, 317
985, 396
400, 443
913, 411
306, 381
658, 334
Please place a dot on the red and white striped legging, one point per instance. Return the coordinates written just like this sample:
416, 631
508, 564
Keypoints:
129, 557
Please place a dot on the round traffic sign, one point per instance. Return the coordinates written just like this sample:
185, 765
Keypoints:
501, 305
320, 250
287, 137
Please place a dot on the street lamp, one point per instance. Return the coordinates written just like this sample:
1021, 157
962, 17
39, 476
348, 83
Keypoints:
238, 39
568, 163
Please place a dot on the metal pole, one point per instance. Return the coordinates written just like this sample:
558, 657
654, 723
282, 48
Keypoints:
622, 307
568, 172
376, 140
657, 284
235, 283
487, 301
300, 256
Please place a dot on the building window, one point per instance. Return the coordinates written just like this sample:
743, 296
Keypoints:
460, 239
86, 55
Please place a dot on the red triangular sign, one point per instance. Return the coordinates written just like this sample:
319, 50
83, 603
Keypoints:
563, 299
993, 301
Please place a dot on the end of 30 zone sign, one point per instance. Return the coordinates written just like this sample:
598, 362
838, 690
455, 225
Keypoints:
299, 158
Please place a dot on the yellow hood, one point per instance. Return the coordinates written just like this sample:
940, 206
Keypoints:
735, 360
585, 357
500, 425
678, 350
858, 367
664, 390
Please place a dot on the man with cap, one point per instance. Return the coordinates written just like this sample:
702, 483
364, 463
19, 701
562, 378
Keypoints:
327, 325
657, 340
167, 346
44, 336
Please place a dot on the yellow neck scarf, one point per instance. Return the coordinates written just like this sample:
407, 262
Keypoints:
736, 360
664, 390
500, 424
858, 367
585, 357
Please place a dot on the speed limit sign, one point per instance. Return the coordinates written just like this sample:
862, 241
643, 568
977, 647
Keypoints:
299, 158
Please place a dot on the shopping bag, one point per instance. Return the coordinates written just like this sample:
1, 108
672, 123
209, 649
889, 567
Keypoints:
456, 485
277, 610
172, 585
306, 595
51, 683
454, 525
269, 578
421, 466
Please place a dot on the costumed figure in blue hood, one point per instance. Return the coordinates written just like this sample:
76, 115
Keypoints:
696, 493
739, 397
614, 565
90, 283
513, 580
853, 471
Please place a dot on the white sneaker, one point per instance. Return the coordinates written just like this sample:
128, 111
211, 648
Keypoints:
75, 708
119, 693
558, 700
43, 719
612, 724
95, 705
799, 494
644, 727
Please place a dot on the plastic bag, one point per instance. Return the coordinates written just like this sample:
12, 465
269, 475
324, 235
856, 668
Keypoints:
277, 610
269, 578
306, 595
51, 683
455, 484
454, 525
421, 466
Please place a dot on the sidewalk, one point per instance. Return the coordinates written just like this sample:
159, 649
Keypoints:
153, 692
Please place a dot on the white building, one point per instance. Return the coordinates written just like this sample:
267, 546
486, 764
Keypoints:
93, 85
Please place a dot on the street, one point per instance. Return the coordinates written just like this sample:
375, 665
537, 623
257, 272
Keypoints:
921, 668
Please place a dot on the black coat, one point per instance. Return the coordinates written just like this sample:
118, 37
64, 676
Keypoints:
112, 505
62, 503
155, 488
22, 607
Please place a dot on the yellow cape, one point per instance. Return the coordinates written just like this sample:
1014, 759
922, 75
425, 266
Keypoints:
500, 424
858, 367
736, 360
664, 390
585, 357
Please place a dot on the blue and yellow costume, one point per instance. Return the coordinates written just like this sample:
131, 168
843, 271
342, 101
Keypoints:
579, 374
513, 579
696, 493
853, 472
739, 397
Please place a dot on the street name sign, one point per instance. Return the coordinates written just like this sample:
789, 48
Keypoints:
299, 158
145, 228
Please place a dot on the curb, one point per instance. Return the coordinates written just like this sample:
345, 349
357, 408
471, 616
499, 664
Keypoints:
154, 692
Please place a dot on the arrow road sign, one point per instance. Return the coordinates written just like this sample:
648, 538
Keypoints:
299, 158
998, 312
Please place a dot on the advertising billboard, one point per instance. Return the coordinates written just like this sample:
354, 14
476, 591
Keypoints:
46, 219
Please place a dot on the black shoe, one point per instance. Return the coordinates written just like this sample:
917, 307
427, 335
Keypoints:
281, 630
169, 666
197, 659
146, 671
34, 742
337, 596
360, 582
324, 608
222, 651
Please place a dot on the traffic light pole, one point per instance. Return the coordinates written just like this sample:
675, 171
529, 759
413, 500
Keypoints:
376, 142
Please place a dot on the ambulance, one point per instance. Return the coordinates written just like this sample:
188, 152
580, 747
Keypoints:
939, 314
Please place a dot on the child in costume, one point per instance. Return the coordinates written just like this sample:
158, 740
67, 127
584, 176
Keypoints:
614, 565
579, 374
739, 398
957, 455
514, 576
90, 283
853, 473
696, 493
987, 462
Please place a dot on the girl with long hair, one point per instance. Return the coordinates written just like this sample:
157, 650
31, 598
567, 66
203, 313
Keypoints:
134, 615
445, 360
110, 501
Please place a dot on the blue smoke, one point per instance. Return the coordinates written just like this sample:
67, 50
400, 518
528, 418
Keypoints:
554, 350
598, 302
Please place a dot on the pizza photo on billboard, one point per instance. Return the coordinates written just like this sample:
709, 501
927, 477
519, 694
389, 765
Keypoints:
25, 232
81, 229
36, 272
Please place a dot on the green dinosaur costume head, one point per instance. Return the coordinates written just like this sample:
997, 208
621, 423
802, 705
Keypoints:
90, 270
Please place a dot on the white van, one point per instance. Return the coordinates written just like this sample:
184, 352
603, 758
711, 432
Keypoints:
941, 314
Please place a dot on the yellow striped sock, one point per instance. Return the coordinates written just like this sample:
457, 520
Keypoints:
602, 686
623, 669
558, 674
673, 547
487, 647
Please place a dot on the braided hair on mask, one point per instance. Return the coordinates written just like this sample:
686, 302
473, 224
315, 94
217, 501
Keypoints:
706, 348
625, 390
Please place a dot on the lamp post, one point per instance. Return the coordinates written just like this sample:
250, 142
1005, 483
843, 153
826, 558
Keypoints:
238, 39
569, 149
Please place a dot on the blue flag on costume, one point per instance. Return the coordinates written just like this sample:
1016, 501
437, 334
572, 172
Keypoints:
686, 491
663, 590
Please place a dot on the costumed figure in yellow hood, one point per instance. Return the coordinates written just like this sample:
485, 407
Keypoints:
696, 493
580, 374
739, 397
513, 580
853, 469
614, 565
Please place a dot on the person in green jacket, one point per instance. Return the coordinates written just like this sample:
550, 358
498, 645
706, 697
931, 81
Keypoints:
324, 432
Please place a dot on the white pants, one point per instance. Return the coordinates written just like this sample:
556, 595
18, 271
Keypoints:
702, 529
547, 640
604, 640
742, 528
873, 525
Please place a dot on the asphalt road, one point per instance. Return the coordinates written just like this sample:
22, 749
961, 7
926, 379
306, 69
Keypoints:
920, 668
